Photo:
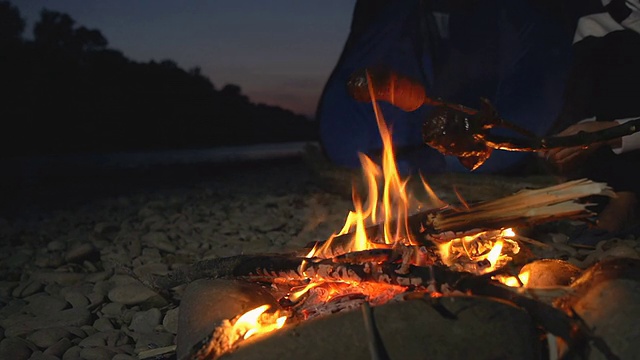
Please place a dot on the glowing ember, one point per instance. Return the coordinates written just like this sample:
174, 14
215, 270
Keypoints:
480, 252
512, 281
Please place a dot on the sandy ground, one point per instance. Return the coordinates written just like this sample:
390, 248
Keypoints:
67, 237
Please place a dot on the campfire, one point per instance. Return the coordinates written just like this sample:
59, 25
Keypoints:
392, 250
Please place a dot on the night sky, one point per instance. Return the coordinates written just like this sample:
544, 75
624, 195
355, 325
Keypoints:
280, 52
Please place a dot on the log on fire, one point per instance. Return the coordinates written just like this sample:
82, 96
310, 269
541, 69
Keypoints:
524, 208
289, 269
206, 303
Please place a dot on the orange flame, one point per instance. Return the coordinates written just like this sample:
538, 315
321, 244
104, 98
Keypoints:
256, 321
514, 281
390, 208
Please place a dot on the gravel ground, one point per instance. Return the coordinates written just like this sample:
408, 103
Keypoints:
66, 240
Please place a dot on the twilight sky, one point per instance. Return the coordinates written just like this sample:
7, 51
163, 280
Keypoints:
280, 52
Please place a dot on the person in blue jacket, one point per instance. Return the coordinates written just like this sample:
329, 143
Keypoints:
512, 52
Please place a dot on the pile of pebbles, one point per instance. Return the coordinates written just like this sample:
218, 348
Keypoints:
66, 292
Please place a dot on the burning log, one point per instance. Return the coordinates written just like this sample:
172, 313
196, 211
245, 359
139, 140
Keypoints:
524, 208
288, 270
207, 303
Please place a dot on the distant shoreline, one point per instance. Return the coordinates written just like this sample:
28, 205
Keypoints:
137, 159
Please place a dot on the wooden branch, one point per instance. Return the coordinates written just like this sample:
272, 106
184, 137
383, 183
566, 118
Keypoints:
582, 138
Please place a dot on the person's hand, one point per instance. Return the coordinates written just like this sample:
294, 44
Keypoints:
567, 159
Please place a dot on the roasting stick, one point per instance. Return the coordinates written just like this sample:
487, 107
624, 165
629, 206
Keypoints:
583, 138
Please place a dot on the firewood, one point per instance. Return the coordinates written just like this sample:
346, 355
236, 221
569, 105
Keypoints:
524, 208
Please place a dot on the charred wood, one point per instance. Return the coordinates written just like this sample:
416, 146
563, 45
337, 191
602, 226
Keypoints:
295, 270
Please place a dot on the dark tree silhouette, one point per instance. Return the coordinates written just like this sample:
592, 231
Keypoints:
68, 92
54, 30
11, 24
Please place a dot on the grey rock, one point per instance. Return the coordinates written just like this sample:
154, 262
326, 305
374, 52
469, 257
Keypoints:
76, 299
117, 339
14, 307
24, 326
45, 338
58, 349
44, 304
56, 245
102, 287
27, 288
156, 301
145, 321
124, 357
112, 259
53, 289
61, 278
80, 252
112, 310
76, 331
95, 298
97, 339
72, 353
48, 260
160, 241
126, 349
151, 269
150, 255
130, 294
170, 321
97, 353
97, 276
88, 329
89, 266
15, 349
120, 279
134, 246
103, 324
39, 355
6, 287
154, 340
